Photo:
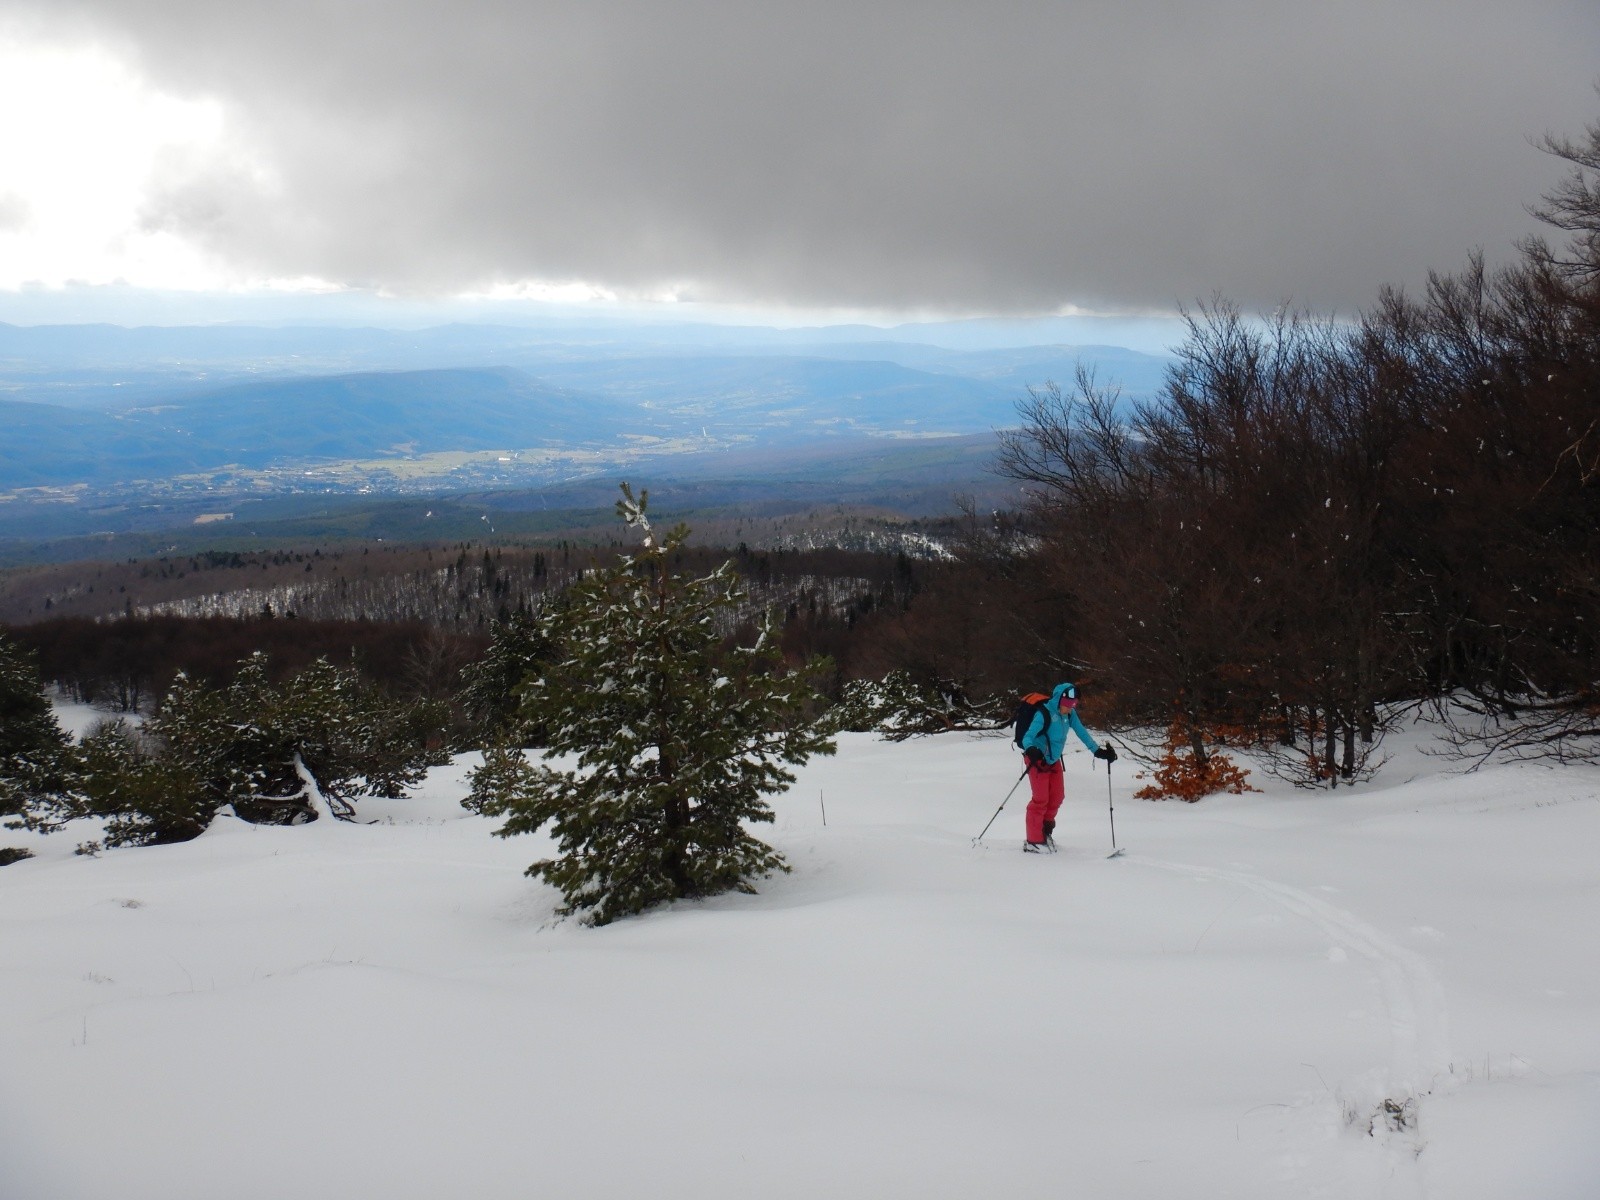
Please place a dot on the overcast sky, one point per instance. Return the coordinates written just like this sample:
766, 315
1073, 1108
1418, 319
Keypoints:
899, 156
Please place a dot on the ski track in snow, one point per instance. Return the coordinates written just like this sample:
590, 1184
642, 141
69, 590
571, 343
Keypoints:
1419, 1052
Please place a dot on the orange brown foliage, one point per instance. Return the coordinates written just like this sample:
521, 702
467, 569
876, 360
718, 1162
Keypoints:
1181, 776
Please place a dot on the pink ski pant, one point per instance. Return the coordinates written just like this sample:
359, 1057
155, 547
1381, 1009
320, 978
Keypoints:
1048, 784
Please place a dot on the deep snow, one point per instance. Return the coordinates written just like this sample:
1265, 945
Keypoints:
389, 1010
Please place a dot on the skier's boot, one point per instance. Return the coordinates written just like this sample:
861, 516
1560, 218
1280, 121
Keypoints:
1050, 835
1035, 848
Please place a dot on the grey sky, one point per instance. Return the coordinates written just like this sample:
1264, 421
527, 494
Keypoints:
959, 157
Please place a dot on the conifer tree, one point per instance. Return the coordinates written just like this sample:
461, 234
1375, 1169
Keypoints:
272, 750
490, 687
677, 737
35, 757
254, 742
900, 706
146, 796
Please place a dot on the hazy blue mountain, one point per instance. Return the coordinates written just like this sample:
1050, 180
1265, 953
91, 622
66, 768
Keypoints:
761, 395
359, 416
170, 409
283, 420
43, 445
107, 365
1015, 368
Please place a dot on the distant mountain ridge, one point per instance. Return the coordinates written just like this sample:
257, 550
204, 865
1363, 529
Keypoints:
105, 405
281, 421
368, 414
49, 363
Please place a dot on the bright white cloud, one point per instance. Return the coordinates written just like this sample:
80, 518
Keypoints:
572, 292
112, 180
77, 172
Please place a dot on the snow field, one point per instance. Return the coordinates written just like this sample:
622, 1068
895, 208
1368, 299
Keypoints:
388, 1010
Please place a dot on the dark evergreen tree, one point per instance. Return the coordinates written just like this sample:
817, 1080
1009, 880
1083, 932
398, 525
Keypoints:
677, 734
491, 687
148, 797
900, 706
262, 746
273, 751
35, 757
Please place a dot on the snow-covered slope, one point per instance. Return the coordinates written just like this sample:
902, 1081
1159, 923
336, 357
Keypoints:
1386, 992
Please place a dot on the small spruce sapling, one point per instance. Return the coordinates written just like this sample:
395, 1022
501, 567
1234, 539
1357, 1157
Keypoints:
677, 737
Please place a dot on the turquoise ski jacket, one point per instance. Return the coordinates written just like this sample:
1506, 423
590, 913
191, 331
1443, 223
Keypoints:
1048, 734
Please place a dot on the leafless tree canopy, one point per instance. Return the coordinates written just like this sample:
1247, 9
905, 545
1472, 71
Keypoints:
1316, 518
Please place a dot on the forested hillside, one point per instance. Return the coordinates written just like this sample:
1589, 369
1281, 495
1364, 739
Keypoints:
1317, 517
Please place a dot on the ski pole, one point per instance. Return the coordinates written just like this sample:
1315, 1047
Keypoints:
1003, 803
1111, 807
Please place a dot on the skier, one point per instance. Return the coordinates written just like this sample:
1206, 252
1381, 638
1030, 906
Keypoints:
1042, 746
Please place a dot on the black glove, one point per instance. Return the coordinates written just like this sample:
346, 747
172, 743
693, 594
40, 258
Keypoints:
1035, 757
1109, 753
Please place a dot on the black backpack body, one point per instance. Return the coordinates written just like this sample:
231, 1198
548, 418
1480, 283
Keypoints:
1033, 702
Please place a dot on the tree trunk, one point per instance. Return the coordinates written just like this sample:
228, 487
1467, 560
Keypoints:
1331, 742
1197, 739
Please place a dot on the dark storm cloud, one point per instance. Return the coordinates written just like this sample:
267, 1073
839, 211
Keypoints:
975, 156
